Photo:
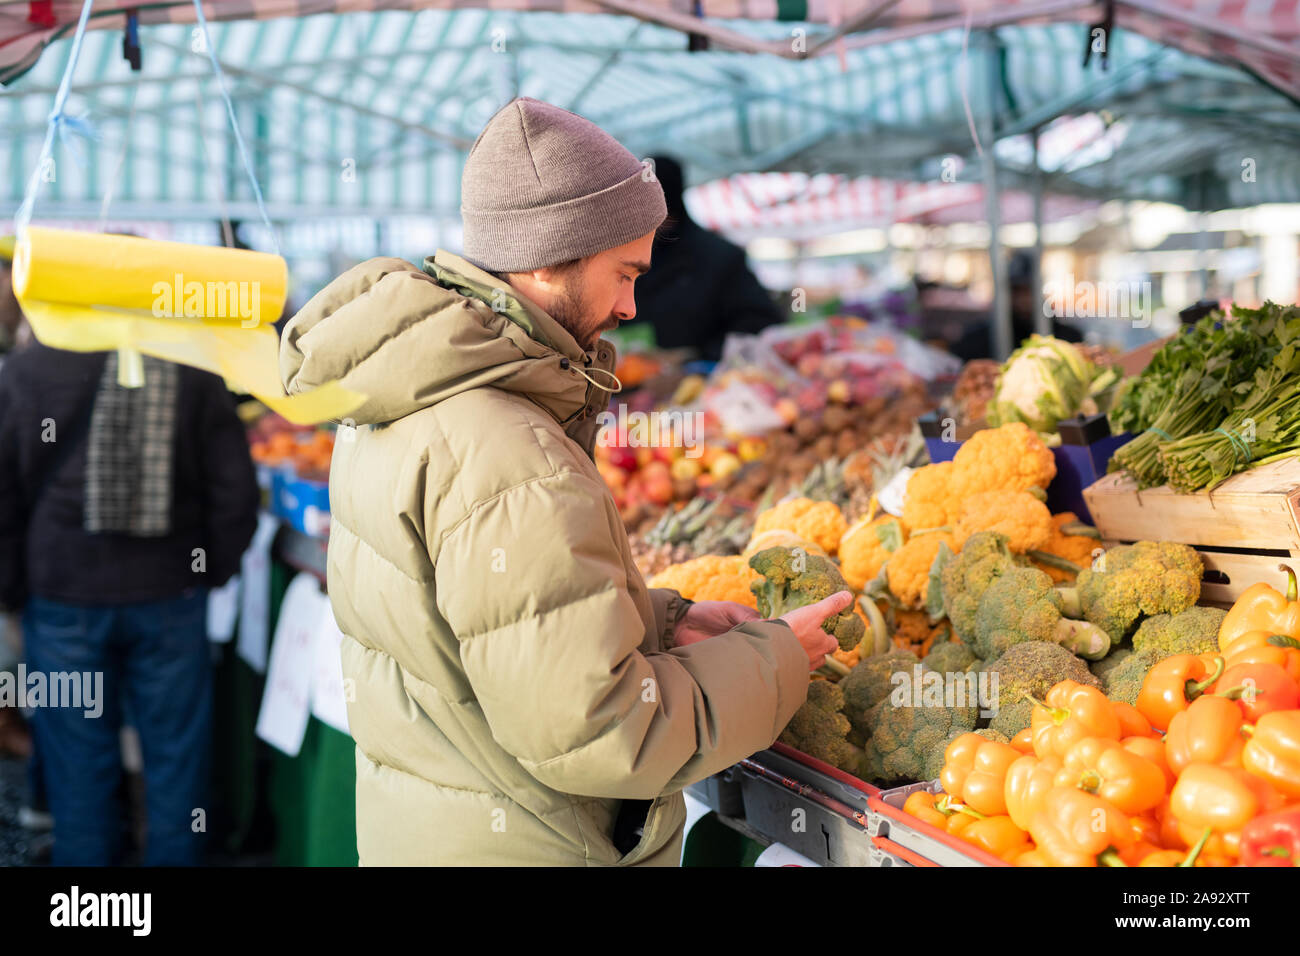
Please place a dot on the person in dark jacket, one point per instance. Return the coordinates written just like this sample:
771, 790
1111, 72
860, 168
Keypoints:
977, 341
699, 286
119, 509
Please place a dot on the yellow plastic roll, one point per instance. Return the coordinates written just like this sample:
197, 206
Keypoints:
89, 293
163, 279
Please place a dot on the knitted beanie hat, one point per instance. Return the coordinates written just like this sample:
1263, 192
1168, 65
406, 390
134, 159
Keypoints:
542, 185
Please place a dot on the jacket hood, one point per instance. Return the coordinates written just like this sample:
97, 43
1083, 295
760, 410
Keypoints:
408, 338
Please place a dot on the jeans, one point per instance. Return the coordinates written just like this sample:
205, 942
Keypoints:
154, 659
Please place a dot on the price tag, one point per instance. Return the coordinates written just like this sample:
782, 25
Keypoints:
223, 611
328, 690
286, 702
255, 594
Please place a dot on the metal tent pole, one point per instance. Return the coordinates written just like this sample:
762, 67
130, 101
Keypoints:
1000, 313
1042, 321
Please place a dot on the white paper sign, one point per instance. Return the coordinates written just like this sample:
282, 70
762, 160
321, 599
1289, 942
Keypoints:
223, 611
328, 692
255, 594
286, 702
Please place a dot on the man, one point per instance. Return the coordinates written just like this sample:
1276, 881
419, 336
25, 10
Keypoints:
119, 508
700, 288
520, 696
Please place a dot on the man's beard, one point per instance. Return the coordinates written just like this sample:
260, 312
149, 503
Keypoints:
570, 309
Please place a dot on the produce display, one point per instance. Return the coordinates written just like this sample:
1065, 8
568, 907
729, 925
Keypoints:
276, 443
1202, 769
1046, 380
1221, 397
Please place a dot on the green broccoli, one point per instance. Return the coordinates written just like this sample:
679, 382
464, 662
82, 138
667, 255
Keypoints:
1124, 680
820, 729
871, 682
1130, 582
1022, 604
1194, 631
963, 580
949, 657
907, 743
1030, 668
793, 579
1102, 668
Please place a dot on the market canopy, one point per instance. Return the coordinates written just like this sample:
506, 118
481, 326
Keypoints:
1262, 35
372, 113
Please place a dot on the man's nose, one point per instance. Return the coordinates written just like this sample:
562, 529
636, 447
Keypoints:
625, 307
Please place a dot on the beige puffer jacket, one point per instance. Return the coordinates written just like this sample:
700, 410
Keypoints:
513, 681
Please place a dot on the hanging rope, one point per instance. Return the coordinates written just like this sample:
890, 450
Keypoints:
230, 112
59, 121
56, 122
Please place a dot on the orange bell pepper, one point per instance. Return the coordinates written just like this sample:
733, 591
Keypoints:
922, 806
1258, 689
1224, 799
1265, 647
1028, 781
1071, 712
1262, 608
1178, 857
998, 835
974, 772
962, 817
1153, 749
1170, 836
1077, 828
1131, 721
1172, 684
1024, 741
1273, 751
1032, 857
1141, 851
1210, 731
1123, 778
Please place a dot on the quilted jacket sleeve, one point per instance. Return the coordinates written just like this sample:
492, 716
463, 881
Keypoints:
535, 589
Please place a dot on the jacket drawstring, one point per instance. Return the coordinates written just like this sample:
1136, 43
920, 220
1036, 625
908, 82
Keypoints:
613, 391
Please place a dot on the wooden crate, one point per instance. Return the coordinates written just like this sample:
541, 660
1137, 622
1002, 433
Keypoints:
1243, 529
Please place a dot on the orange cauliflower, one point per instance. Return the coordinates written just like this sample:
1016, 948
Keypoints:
866, 547
711, 578
1017, 514
1075, 548
818, 521
1011, 457
930, 501
908, 569
778, 538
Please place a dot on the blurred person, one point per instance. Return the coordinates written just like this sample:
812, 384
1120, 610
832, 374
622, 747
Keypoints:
699, 287
521, 697
119, 509
976, 343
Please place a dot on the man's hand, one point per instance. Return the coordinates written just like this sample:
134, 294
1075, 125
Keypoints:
705, 619
806, 622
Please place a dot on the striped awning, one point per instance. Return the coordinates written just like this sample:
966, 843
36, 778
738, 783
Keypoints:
1262, 36
797, 206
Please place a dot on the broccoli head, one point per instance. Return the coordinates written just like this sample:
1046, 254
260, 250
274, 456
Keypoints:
1130, 582
820, 729
794, 578
1022, 604
870, 682
1030, 668
964, 579
907, 743
949, 657
1194, 631
1102, 668
1123, 682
